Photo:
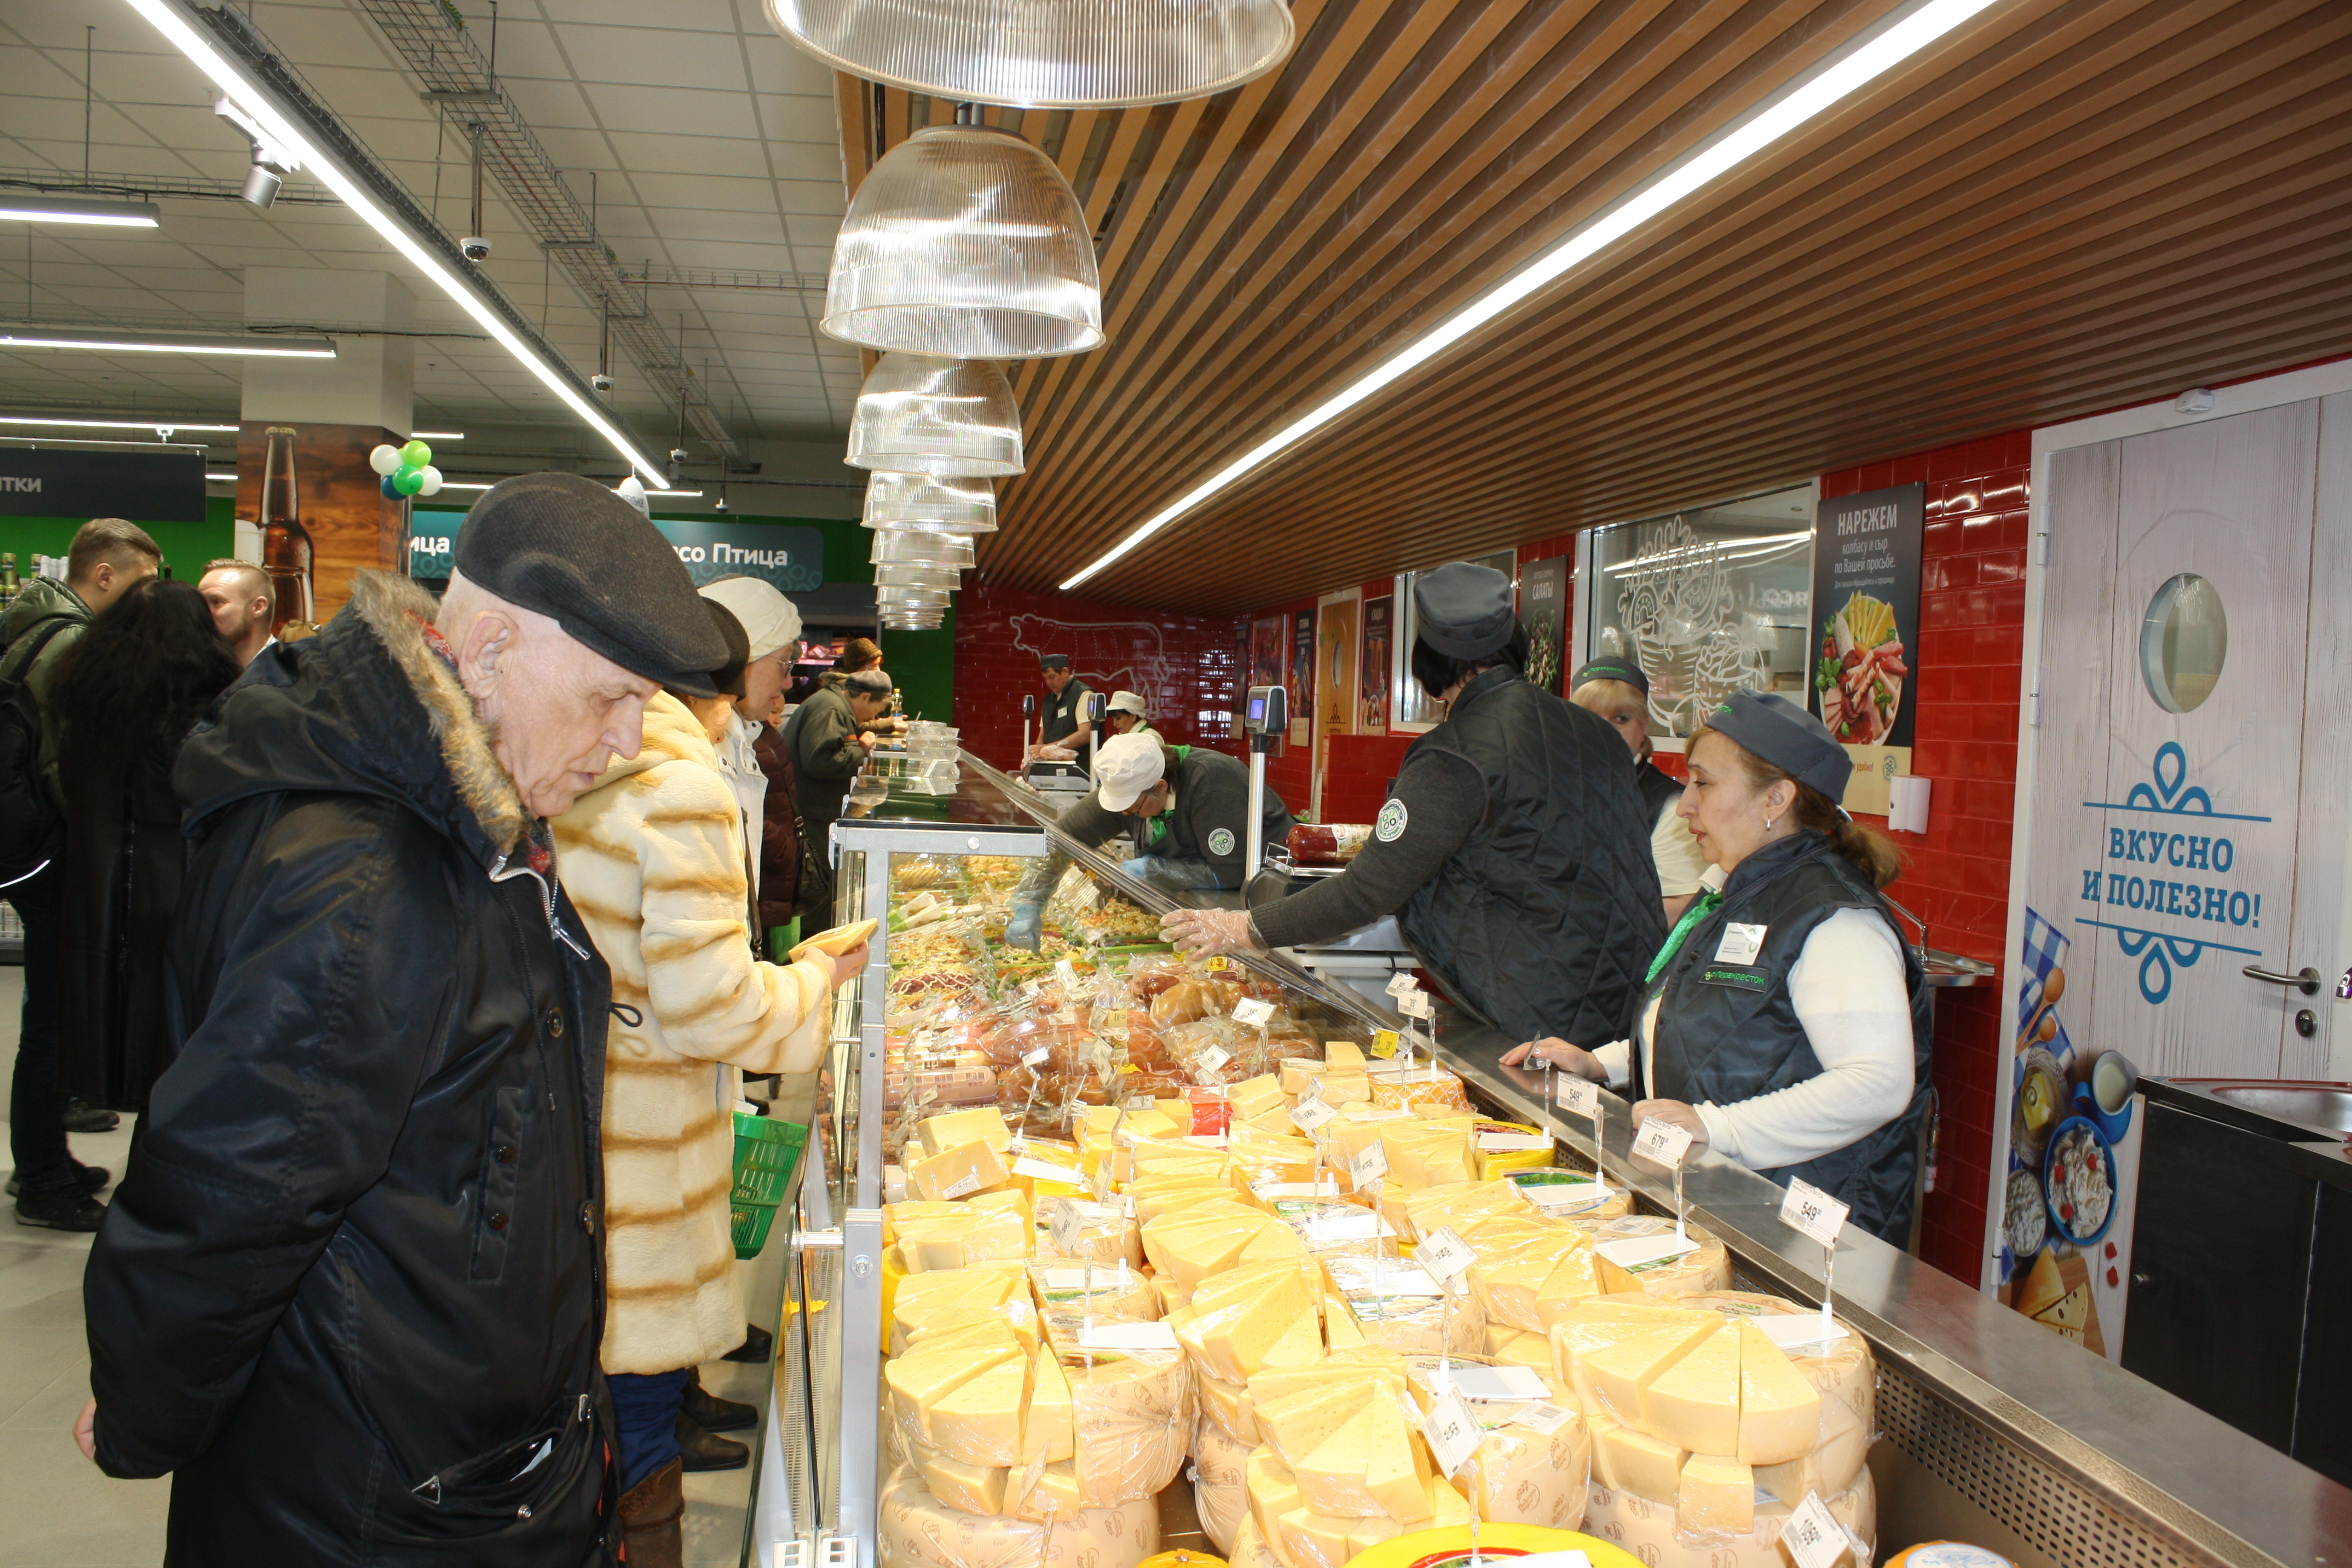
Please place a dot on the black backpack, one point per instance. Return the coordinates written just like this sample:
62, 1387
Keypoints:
32, 829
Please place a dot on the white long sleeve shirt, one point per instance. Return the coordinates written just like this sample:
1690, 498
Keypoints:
1847, 987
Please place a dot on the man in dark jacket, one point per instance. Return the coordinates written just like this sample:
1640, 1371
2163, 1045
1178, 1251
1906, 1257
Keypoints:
829, 744
351, 1293
1512, 849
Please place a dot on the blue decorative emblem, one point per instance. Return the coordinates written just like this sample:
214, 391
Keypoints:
2170, 848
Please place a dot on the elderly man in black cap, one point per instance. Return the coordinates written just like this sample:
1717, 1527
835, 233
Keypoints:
348, 1294
1512, 849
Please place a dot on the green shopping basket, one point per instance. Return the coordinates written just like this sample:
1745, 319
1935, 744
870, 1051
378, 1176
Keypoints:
766, 1150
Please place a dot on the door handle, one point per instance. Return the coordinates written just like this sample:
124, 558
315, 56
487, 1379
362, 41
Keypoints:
2306, 980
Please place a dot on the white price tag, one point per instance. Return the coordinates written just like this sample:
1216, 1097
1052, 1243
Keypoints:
1661, 1142
1636, 1254
1512, 1143
1813, 1212
1444, 1254
1371, 1281
1482, 1384
1415, 1005
1797, 1331
1309, 1114
1370, 1164
1102, 1183
1046, 1171
1544, 1417
961, 1187
1038, 1057
1127, 1337
1453, 1432
1578, 1096
1814, 1537
1345, 1224
1212, 1059
1068, 1227
1253, 1012
1403, 982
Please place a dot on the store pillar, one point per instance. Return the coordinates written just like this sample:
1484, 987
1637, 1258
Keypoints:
309, 506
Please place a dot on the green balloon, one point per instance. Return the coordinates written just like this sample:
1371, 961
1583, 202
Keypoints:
416, 455
407, 480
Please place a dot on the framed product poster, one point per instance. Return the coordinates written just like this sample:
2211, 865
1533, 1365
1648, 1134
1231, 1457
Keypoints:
1380, 637
1336, 643
1302, 676
1543, 616
1866, 624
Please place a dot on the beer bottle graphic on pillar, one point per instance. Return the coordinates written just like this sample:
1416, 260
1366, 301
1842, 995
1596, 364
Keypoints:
286, 552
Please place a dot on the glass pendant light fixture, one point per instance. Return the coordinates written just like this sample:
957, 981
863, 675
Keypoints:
1044, 53
923, 501
909, 547
944, 579
917, 415
965, 243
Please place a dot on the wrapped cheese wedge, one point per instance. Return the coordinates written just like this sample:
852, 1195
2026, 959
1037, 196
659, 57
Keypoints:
1841, 1371
915, 1529
1249, 1549
1132, 1413
1119, 1293
1220, 1490
1402, 1309
1643, 1252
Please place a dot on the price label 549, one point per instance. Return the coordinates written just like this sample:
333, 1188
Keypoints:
1579, 1096
1812, 1213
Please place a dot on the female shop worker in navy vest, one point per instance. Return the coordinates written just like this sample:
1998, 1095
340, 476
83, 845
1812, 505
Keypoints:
1785, 1020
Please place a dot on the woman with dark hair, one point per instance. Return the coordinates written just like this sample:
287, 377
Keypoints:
129, 693
1512, 849
1785, 1022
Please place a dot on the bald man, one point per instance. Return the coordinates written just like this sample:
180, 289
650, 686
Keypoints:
243, 603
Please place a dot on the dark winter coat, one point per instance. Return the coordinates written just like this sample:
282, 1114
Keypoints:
780, 832
352, 1283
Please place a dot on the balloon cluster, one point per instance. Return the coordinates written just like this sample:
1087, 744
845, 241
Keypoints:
408, 470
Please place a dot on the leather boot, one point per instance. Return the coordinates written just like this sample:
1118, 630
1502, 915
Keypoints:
713, 1413
700, 1451
653, 1519
758, 1345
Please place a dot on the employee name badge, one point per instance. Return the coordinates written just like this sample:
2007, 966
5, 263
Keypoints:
1740, 943
1812, 1213
1814, 1537
1661, 1142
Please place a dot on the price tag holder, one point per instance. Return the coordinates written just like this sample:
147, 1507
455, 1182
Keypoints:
1384, 1044
1812, 1213
1636, 1254
1046, 1171
1453, 1432
1415, 1005
1368, 1165
1444, 1255
1545, 1417
1577, 1095
1814, 1537
1212, 1059
1403, 982
1310, 1114
1127, 1337
1253, 1012
1661, 1142
1068, 1227
1565, 1197
1797, 1331
1102, 1183
1038, 1057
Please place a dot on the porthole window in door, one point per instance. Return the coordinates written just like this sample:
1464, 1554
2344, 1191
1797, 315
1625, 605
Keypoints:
2183, 640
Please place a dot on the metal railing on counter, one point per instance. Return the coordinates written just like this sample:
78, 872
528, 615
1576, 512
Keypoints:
1997, 1430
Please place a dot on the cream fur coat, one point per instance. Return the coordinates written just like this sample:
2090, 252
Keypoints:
653, 857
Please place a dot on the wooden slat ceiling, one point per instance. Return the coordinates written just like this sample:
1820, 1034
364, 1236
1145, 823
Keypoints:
2066, 205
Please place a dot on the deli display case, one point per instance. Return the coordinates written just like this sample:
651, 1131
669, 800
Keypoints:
1058, 1205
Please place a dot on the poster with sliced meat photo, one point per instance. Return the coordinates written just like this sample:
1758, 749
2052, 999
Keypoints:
1867, 612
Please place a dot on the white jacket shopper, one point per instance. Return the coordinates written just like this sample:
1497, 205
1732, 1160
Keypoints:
653, 857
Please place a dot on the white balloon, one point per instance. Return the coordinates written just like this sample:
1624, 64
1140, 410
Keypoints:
432, 485
384, 459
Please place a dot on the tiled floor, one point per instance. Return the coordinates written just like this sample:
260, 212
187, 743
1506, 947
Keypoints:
59, 1510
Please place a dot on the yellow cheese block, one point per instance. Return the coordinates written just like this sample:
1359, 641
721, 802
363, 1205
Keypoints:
1272, 1489
1044, 1492
1510, 1276
1843, 1373
1706, 1268
1340, 1330
1343, 1056
1305, 1539
955, 1298
922, 1381
1048, 1422
1694, 1402
1717, 1493
1651, 1532
1132, 1417
915, 1530
893, 1215
1461, 1205
1249, 1548
1617, 1374
1219, 1485
1189, 1249
1448, 1509
1521, 1475
1513, 1347
928, 1244
1155, 1199
969, 1488
1140, 1123
1011, 1200
1779, 1410
1577, 1278
1255, 1096
1231, 1340
990, 1330
1364, 1467
935, 1134
958, 1171
1226, 1405
1628, 1460
979, 1421
1296, 1426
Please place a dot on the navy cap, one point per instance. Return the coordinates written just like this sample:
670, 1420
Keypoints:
1466, 610
1612, 666
1788, 737
1053, 661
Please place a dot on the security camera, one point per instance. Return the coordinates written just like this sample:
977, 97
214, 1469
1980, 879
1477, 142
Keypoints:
474, 248
722, 503
601, 382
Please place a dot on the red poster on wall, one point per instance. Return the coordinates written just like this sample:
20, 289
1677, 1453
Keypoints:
1380, 617
1301, 677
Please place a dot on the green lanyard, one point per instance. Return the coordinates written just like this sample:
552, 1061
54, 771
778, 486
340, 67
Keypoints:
1700, 909
1158, 828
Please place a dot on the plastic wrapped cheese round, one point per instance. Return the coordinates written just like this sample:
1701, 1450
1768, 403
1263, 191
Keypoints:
1451, 1547
1533, 1465
1124, 1294
1398, 1306
1650, 1532
1844, 1374
1221, 1483
1642, 1252
1249, 1549
1131, 1411
915, 1530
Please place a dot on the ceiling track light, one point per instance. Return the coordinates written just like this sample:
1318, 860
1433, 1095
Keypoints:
257, 100
35, 208
1895, 38
105, 340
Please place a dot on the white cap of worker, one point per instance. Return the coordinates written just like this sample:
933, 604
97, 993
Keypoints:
1125, 766
770, 620
1126, 702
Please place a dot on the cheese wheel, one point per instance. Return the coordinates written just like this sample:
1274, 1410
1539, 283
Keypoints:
1520, 1474
915, 1530
1706, 1268
1219, 1483
1847, 1379
1132, 1411
1121, 1295
1651, 1532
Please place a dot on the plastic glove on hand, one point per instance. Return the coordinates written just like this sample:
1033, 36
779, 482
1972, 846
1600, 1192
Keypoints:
1026, 929
1198, 933
1141, 868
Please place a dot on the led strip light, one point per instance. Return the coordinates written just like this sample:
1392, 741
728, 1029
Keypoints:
254, 99
1892, 41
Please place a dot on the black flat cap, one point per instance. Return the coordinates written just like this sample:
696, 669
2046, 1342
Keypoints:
569, 548
1788, 737
1612, 667
728, 676
1466, 610
1053, 661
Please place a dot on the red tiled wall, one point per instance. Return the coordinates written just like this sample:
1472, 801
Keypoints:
1972, 643
1184, 666
1356, 779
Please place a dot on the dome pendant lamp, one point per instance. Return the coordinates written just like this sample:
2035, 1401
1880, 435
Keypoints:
965, 243
917, 547
1046, 54
940, 506
921, 415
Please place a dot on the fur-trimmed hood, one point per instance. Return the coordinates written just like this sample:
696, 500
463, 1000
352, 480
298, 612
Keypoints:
366, 707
